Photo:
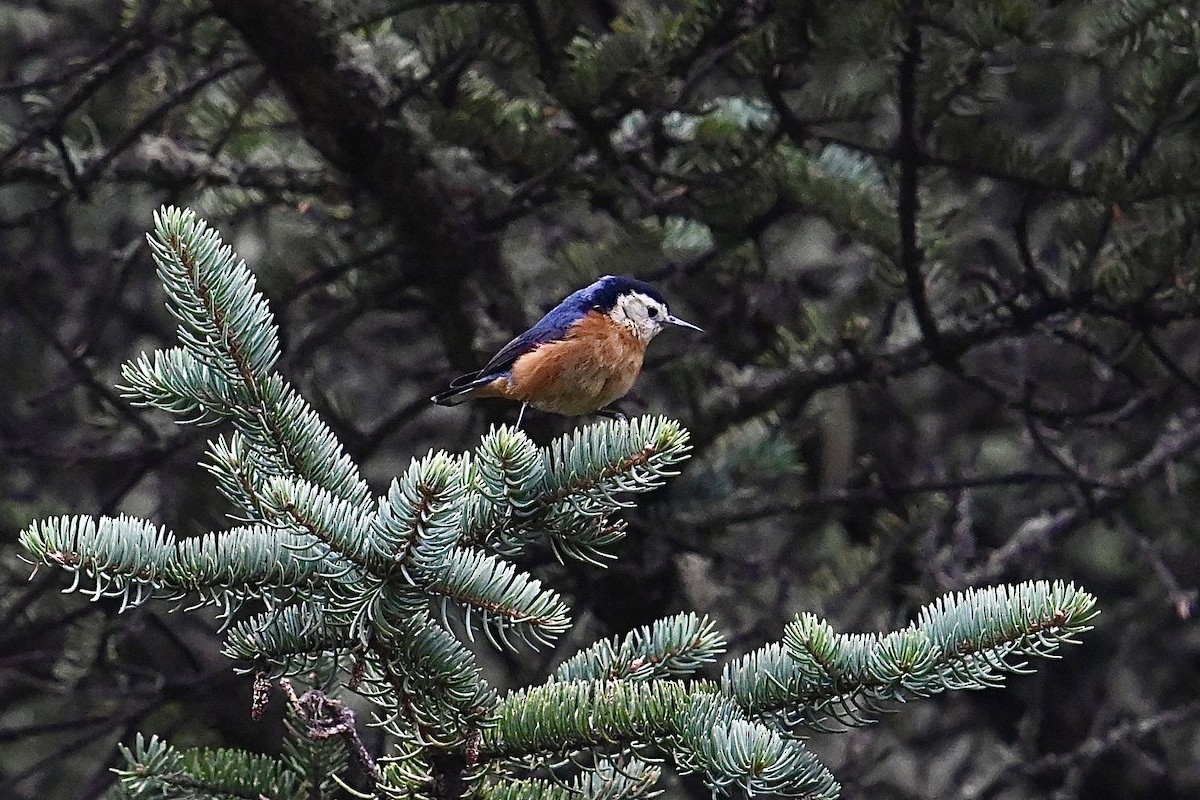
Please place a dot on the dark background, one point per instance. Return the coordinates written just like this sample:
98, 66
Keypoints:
945, 259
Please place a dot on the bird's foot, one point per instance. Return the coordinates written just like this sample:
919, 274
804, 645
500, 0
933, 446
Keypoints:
612, 413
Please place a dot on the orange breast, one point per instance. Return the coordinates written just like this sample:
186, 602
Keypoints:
595, 364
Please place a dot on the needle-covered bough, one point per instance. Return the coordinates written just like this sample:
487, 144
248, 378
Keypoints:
346, 592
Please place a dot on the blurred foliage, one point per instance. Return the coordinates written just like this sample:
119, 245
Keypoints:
902, 393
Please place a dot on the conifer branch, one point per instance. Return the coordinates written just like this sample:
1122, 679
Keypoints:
156, 769
347, 587
967, 641
228, 335
502, 599
673, 647
568, 491
560, 717
136, 560
715, 737
608, 780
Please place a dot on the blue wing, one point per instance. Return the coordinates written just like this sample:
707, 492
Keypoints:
550, 328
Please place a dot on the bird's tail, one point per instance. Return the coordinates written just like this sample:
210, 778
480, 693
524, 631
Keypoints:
461, 390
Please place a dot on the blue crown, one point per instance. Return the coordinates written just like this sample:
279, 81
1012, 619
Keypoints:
604, 292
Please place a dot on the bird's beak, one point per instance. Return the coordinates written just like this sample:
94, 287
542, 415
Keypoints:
681, 323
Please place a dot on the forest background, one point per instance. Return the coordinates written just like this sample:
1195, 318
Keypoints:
945, 255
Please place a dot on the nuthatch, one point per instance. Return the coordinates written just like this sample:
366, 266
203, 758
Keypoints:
583, 355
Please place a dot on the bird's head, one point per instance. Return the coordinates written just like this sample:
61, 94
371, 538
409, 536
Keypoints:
635, 304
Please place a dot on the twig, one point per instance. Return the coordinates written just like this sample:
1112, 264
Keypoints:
908, 201
325, 718
1183, 601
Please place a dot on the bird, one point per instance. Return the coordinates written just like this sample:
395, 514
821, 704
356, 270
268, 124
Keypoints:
583, 355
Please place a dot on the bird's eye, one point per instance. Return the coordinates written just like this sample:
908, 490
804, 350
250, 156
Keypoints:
652, 311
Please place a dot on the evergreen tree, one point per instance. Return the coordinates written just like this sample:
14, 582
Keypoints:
340, 588
945, 254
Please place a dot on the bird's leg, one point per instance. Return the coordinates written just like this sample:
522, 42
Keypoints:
521, 415
611, 413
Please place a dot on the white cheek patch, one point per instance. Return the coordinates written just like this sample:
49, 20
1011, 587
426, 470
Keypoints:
621, 314
633, 311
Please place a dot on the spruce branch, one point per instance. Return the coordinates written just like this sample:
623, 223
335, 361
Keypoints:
703, 731
441, 693
503, 600
306, 509
136, 560
673, 647
715, 737
844, 189
726, 729
1127, 22
506, 472
228, 345
561, 717
293, 640
613, 779
317, 762
607, 779
565, 494
418, 522
181, 383
588, 469
248, 561
970, 640
156, 769
238, 472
